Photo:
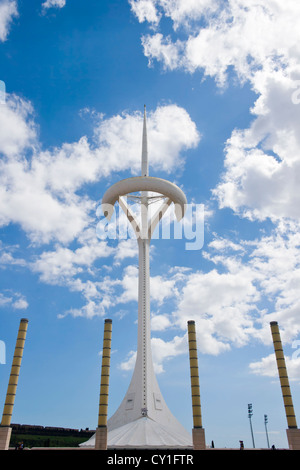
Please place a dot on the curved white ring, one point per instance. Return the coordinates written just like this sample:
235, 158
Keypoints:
144, 183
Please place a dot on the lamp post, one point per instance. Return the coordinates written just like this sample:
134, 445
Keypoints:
266, 422
250, 413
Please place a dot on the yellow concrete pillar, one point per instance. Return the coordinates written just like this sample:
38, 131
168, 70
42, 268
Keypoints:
5, 430
101, 432
293, 434
198, 431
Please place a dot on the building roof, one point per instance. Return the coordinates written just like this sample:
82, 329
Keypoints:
144, 433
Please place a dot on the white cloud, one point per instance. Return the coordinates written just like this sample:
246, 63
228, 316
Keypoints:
252, 284
13, 300
220, 34
126, 249
20, 304
160, 322
267, 367
53, 4
65, 267
8, 11
262, 163
63, 263
164, 50
221, 304
26, 201
129, 363
261, 168
39, 188
163, 350
162, 287
4, 300
17, 128
145, 11
170, 131
7, 257
181, 12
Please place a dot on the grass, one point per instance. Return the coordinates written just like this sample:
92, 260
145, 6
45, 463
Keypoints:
32, 440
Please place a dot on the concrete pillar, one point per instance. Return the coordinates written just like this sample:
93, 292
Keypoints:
293, 437
5, 430
5, 433
101, 431
198, 431
293, 433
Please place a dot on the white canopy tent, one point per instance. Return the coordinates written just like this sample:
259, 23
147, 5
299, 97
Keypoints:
145, 433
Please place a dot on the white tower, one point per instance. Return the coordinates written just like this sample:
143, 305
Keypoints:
143, 418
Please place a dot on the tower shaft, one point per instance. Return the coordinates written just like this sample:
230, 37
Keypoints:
144, 356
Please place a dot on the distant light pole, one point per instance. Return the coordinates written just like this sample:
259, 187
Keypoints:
250, 413
266, 421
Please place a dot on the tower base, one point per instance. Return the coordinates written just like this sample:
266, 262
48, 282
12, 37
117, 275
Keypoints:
101, 438
198, 439
5, 433
293, 436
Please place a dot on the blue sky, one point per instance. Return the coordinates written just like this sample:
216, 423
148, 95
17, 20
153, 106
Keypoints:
220, 80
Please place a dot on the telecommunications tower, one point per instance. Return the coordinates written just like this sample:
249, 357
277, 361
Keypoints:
143, 418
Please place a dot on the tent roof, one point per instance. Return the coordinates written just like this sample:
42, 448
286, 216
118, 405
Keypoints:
144, 433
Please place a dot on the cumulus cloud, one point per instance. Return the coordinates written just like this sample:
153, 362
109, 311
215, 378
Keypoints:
268, 368
261, 163
8, 258
255, 43
43, 191
226, 301
165, 350
8, 11
162, 351
13, 300
129, 362
221, 34
145, 10
160, 322
39, 188
18, 131
53, 4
